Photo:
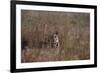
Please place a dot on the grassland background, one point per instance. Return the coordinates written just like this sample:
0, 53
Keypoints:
74, 35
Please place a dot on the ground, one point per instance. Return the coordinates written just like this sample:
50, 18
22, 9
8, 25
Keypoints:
74, 35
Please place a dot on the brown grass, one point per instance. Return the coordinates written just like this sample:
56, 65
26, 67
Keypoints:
74, 35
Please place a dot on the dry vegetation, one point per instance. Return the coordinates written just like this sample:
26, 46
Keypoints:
74, 35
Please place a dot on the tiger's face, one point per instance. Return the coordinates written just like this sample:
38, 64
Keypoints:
56, 40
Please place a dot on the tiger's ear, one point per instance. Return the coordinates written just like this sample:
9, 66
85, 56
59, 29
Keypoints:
56, 32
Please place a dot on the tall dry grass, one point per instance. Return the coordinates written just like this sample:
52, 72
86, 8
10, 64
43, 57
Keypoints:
73, 29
